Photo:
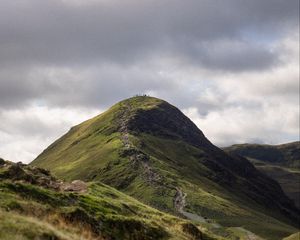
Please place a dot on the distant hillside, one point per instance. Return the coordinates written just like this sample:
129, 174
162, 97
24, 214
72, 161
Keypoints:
148, 149
286, 155
281, 162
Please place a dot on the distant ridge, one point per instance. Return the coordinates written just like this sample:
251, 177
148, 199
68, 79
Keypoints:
287, 154
280, 162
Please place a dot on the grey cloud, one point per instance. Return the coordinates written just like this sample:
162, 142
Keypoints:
98, 86
51, 32
20, 86
69, 56
234, 56
24, 126
128, 34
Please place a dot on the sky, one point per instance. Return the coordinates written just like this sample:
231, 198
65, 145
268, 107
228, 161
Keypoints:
232, 66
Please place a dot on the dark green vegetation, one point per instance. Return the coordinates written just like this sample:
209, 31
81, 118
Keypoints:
148, 149
280, 162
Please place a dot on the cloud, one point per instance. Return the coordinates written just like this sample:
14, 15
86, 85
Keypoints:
235, 56
271, 123
225, 63
252, 107
55, 32
25, 133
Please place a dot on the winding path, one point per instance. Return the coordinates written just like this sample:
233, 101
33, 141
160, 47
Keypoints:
136, 156
151, 175
179, 204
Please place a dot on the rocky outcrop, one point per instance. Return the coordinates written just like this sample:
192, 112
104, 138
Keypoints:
19, 172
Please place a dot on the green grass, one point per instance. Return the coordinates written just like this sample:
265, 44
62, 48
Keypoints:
17, 227
29, 209
295, 236
31, 212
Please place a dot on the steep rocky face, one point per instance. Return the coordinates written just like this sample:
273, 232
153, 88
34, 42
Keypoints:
167, 121
149, 149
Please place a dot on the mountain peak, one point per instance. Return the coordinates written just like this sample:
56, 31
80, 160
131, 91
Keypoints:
149, 149
154, 116
143, 101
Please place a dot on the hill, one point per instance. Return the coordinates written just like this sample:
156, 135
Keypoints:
285, 155
148, 149
280, 162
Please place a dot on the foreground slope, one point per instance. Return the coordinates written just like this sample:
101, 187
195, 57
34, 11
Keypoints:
280, 162
147, 148
35, 205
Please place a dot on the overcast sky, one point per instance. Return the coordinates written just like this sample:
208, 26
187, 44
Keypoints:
232, 66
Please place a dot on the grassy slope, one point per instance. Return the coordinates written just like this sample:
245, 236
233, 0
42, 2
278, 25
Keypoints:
207, 198
121, 216
30, 211
84, 138
295, 236
91, 152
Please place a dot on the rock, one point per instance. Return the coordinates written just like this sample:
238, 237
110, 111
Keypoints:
75, 186
15, 171
192, 230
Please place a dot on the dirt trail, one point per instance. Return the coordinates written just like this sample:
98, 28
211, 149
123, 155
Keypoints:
179, 204
123, 127
151, 175
136, 156
179, 200
248, 235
